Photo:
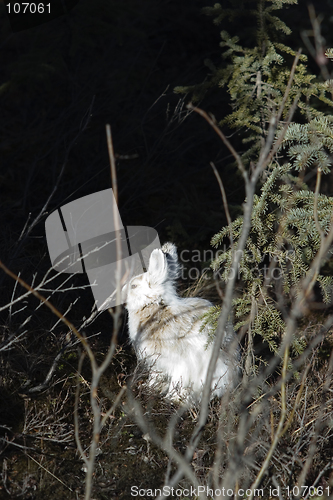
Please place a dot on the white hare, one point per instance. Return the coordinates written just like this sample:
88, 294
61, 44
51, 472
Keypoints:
166, 332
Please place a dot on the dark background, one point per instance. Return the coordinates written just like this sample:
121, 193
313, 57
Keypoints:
119, 63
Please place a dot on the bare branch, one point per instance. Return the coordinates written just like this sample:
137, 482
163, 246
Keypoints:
225, 202
212, 122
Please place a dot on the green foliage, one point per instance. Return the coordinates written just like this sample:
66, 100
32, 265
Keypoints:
284, 236
256, 70
286, 225
282, 243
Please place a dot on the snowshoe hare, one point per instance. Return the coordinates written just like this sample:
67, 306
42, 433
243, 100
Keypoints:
166, 332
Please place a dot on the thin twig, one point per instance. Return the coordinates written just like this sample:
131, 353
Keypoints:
280, 428
49, 472
51, 307
317, 51
116, 221
212, 122
76, 411
289, 84
114, 406
315, 205
225, 203
112, 162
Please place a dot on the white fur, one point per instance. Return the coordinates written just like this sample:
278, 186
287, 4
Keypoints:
165, 332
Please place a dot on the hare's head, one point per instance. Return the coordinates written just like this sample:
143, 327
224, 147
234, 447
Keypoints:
156, 286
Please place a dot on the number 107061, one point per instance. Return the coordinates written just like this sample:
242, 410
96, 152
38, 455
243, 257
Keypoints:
308, 491
28, 8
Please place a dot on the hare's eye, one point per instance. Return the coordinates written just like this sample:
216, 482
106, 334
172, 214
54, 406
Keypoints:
134, 285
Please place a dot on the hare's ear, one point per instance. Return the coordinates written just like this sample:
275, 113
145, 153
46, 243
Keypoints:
158, 269
174, 267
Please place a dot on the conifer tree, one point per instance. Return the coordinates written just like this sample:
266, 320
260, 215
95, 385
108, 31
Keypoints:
288, 219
